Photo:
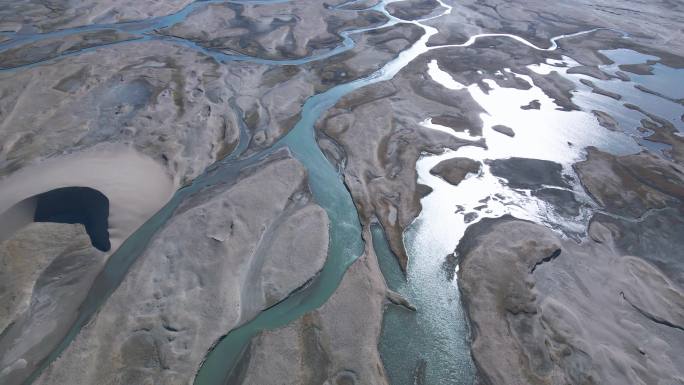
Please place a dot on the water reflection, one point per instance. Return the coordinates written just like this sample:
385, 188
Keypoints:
665, 80
439, 335
432, 345
443, 77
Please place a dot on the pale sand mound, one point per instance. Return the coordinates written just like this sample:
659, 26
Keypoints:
24, 258
46, 269
228, 253
135, 185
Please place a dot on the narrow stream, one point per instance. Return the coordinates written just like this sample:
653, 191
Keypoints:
431, 346
325, 183
448, 337
145, 30
329, 192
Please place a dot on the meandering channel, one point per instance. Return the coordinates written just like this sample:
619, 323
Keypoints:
325, 182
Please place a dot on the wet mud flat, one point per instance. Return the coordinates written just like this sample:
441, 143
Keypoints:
157, 88
538, 321
558, 314
311, 145
563, 204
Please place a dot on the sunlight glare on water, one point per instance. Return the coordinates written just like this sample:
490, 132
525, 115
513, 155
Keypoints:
439, 334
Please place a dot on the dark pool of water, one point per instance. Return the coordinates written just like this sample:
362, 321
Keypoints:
83, 205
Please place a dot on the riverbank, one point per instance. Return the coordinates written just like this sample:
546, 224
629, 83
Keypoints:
155, 105
291, 137
604, 310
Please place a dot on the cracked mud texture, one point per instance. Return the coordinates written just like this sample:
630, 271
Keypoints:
211, 268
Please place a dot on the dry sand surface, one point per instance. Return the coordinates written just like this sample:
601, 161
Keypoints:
135, 185
135, 120
551, 311
226, 255
335, 344
607, 310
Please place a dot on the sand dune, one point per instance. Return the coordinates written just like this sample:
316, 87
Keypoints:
135, 185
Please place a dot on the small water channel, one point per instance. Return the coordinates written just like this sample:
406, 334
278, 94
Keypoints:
432, 344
